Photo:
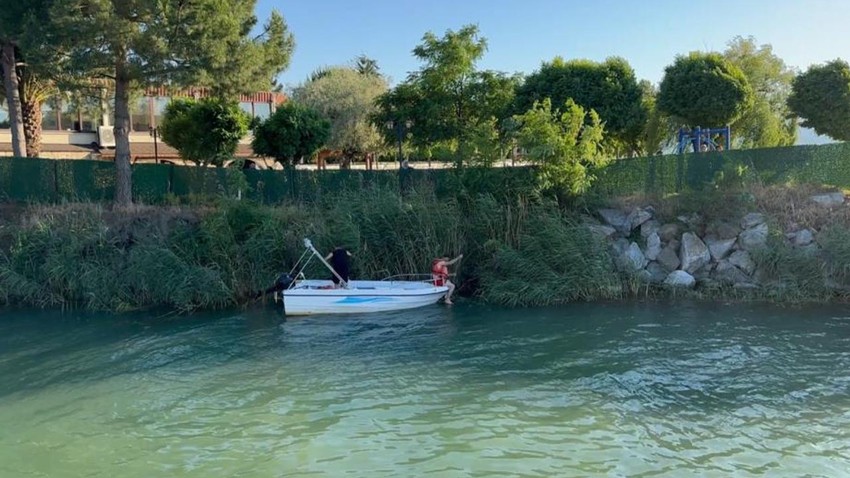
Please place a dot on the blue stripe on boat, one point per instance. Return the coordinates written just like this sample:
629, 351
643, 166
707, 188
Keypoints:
363, 300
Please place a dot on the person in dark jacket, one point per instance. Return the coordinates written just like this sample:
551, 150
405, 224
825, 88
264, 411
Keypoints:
338, 259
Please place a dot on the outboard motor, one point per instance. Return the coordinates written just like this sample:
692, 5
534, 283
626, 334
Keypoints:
283, 282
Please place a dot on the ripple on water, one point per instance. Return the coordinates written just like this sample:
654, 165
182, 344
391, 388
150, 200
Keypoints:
585, 390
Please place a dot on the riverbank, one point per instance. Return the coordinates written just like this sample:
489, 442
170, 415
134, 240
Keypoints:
786, 245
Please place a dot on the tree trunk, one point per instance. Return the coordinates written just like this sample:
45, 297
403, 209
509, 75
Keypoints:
13, 98
123, 173
32, 127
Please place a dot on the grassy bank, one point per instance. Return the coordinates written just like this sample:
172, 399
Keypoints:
89, 256
517, 253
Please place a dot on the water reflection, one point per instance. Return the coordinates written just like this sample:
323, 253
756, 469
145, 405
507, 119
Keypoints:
601, 389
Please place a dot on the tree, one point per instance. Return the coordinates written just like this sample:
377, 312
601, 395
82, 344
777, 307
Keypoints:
21, 26
204, 132
821, 97
291, 132
769, 123
564, 143
610, 88
447, 99
170, 42
346, 98
12, 95
366, 66
660, 129
704, 89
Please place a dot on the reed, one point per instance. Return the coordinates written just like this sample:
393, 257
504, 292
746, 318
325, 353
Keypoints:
524, 251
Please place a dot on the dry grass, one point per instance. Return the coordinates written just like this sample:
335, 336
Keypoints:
789, 205
793, 209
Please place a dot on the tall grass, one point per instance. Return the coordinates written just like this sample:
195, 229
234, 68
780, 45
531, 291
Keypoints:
517, 252
91, 257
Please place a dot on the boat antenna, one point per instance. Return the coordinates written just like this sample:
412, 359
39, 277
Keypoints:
309, 245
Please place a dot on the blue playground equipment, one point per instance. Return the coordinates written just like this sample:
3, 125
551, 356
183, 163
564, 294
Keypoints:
703, 139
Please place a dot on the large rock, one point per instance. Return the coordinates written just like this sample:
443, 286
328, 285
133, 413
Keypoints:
619, 246
615, 218
669, 256
752, 220
669, 231
719, 248
729, 274
693, 253
657, 273
753, 238
680, 279
649, 227
703, 273
693, 220
803, 238
724, 230
653, 246
601, 231
638, 217
632, 259
743, 261
829, 199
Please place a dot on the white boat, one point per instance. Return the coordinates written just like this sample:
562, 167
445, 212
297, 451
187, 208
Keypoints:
303, 296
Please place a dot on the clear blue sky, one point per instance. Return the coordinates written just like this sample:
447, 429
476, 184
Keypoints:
522, 34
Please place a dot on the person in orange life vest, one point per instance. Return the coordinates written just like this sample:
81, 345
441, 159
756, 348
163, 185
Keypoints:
440, 274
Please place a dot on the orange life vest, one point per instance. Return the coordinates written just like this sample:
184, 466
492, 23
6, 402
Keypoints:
439, 272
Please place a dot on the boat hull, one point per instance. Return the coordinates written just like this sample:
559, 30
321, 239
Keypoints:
316, 297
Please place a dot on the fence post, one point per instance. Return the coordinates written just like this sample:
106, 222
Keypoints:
170, 187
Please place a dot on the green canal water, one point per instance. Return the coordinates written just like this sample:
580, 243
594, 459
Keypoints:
586, 390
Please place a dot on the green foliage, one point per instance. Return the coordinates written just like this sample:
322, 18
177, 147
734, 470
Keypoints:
346, 98
660, 129
609, 88
660, 176
795, 274
366, 66
546, 260
291, 132
704, 89
150, 42
204, 132
769, 122
448, 99
563, 144
242, 62
821, 97
81, 257
70, 258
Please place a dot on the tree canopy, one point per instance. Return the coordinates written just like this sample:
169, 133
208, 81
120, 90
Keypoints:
769, 123
821, 97
704, 89
204, 132
610, 88
366, 66
448, 99
25, 67
172, 43
293, 131
563, 142
346, 97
